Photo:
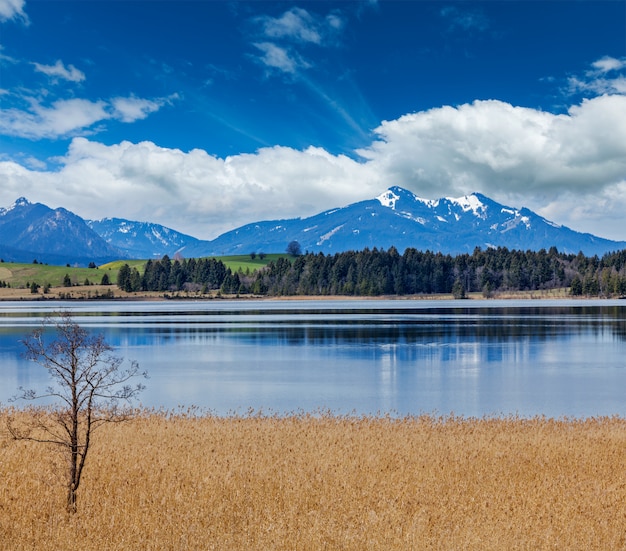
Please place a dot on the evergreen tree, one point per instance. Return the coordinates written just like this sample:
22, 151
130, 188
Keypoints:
123, 278
458, 290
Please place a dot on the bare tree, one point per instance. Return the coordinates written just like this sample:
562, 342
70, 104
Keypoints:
89, 385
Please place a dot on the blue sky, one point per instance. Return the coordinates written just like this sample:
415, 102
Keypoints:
205, 115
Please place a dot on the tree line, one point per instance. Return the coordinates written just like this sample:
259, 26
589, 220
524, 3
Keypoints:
378, 272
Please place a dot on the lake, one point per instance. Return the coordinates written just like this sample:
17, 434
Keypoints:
398, 357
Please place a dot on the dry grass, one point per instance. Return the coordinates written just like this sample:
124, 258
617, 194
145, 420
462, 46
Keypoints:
85, 292
323, 482
79, 292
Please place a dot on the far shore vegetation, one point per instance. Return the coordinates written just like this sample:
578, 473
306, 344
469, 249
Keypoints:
490, 273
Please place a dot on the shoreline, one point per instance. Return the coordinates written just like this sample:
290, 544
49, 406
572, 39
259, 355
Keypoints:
90, 293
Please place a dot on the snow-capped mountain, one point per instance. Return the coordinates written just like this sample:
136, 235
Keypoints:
33, 231
399, 218
141, 239
395, 218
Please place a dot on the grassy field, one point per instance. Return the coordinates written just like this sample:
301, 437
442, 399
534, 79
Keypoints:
246, 263
20, 275
172, 482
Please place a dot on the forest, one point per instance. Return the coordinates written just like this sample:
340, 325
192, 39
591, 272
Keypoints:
378, 272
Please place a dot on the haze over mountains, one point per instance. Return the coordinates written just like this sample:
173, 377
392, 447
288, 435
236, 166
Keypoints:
396, 218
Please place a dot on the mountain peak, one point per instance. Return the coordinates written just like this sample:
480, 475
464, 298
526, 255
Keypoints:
399, 218
21, 202
394, 194
389, 198
472, 203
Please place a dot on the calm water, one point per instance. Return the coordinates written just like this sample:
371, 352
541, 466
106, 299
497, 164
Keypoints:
473, 358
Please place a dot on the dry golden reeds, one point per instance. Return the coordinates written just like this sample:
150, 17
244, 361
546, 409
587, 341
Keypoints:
185, 482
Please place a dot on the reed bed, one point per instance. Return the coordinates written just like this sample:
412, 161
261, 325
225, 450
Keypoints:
186, 482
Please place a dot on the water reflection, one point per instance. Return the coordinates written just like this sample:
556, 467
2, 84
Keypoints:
402, 357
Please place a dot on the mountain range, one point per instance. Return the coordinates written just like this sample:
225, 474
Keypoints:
396, 218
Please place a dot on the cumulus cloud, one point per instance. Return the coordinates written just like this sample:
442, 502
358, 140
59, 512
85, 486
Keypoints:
569, 167
13, 9
190, 191
511, 154
60, 71
67, 117
488, 145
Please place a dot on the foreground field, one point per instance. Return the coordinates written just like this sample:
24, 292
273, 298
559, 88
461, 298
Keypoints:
322, 482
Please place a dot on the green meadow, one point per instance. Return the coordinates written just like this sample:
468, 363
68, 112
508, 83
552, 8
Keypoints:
21, 275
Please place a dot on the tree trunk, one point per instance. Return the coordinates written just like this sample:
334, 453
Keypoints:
71, 498
72, 483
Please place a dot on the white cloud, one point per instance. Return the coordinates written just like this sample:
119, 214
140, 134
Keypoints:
598, 86
334, 22
294, 28
492, 146
190, 191
279, 58
550, 163
298, 25
13, 9
570, 168
34, 163
61, 118
132, 109
607, 64
603, 78
60, 71
67, 117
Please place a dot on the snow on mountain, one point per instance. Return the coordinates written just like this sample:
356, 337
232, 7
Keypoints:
33, 231
141, 239
388, 199
21, 202
471, 203
399, 218
395, 218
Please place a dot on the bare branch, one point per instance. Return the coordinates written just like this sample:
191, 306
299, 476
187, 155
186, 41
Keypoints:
89, 383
